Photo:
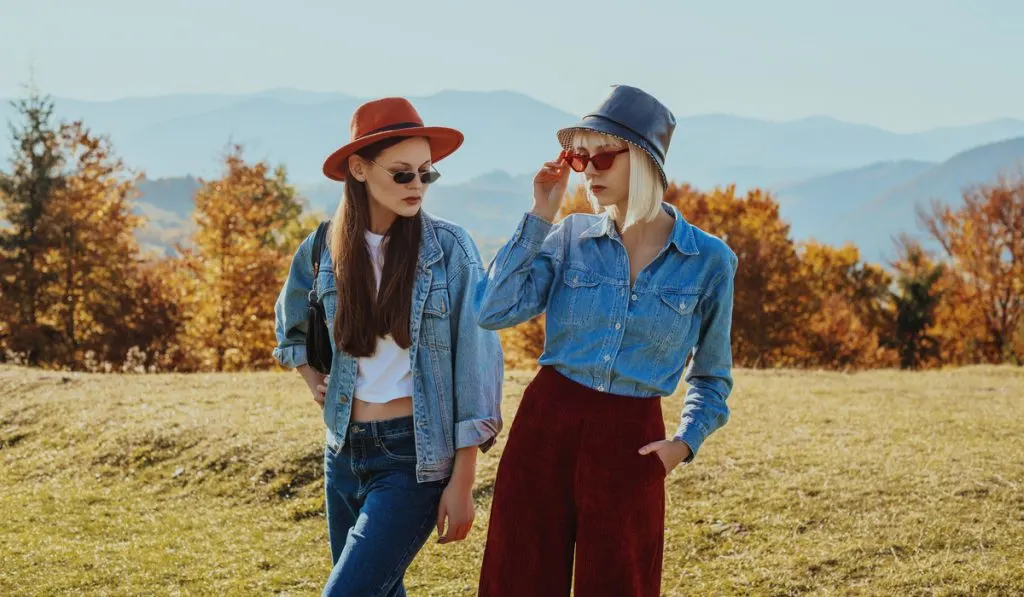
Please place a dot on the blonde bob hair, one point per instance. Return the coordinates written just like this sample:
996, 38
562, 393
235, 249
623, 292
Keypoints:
646, 189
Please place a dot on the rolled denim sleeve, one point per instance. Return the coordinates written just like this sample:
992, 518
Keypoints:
518, 280
478, 362
291, 309
709, 373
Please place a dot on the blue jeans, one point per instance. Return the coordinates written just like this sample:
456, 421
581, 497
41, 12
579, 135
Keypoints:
378, 516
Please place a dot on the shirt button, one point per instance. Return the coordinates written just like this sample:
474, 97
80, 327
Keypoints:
618, 326
600, 388
344, 399
607, 358
634, 297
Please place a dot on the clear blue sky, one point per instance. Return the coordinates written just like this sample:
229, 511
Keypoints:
899, 64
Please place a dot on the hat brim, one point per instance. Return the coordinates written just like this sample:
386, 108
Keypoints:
605, 126
443, 142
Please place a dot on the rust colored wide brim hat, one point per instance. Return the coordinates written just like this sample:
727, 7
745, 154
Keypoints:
390, 117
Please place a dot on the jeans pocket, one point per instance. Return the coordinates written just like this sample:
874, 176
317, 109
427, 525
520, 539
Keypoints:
399, 448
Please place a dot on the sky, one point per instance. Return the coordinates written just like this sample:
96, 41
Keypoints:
903, 65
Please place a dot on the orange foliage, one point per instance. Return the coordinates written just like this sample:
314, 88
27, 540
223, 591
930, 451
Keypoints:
523, 344
229, 283
95, 254
847, 299
983, 238
770, 305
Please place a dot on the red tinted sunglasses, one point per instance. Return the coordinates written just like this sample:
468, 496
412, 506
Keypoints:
601, 161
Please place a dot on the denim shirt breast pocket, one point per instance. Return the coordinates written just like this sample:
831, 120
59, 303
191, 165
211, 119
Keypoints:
436, 329
671, 317
581, 297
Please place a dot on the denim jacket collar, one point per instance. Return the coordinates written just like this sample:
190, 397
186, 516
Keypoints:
430, 247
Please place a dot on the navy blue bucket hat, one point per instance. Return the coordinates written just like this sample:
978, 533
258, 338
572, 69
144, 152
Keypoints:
633, 115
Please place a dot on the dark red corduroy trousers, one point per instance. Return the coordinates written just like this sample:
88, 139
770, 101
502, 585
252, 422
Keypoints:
571, 481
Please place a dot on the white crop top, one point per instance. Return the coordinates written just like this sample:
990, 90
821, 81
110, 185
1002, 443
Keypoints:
388, 373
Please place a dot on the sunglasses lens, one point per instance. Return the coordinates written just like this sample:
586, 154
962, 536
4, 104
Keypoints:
603, 161
430, 177
404, 177
577, 162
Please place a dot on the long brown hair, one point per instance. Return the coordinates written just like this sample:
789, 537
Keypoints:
363, 314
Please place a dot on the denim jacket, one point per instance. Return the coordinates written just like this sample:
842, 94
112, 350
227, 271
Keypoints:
457, 367
609, 335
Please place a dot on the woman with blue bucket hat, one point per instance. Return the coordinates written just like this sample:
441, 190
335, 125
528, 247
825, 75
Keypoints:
635, 298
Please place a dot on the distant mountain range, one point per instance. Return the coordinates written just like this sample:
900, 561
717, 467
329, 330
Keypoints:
836, 180
179, 135
869, 206
489, 206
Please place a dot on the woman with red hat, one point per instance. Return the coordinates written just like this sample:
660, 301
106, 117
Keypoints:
414, 383
631, 295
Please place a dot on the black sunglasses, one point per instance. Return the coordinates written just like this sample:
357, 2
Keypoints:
405, 176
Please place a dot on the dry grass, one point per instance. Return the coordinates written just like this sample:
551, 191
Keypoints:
876, 483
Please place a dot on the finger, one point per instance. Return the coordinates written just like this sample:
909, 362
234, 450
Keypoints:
464, 530
441, 515
460, 533
651, 447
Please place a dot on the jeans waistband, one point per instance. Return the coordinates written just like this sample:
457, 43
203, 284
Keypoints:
369, 430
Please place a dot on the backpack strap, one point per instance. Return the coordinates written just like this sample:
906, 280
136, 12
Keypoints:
318, 247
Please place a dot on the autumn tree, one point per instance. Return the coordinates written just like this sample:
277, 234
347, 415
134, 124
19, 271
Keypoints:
915, 303
230, 280
983, 239
152, 319
25, 194
770, 302
847, 299
94, 254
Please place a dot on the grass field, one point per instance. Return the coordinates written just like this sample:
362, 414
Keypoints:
883, 483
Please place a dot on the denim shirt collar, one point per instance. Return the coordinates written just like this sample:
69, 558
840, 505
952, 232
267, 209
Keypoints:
682, 237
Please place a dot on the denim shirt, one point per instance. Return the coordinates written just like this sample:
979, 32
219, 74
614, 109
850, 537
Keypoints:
457, 367
606, 334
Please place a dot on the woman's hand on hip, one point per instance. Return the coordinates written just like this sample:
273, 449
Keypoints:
670, 451
316, 381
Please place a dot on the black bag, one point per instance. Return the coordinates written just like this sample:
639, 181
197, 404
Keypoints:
318, 341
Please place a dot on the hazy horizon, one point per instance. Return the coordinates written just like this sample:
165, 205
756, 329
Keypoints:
901, 67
